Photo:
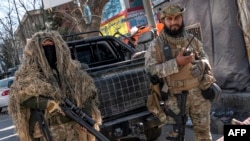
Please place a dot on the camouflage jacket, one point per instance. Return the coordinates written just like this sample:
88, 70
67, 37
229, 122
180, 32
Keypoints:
158, 63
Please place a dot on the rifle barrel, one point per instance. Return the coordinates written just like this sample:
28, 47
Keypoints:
81, 118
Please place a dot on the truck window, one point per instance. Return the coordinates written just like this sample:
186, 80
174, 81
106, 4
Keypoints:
103, 52
84, 55
96, 52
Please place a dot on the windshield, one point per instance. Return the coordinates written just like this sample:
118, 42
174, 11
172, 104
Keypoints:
5, 83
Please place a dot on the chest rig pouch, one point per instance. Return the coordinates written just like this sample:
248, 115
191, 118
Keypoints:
167, 52
183, 80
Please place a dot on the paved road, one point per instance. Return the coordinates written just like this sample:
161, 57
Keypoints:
189, 134
7, 132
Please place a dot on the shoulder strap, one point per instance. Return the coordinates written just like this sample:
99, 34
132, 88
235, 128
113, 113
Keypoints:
158, 52
159, 58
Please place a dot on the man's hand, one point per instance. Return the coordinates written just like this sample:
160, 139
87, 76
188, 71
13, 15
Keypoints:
198, 68
183, 60
53, 106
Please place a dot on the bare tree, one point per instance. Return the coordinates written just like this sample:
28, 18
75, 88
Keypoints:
9, 50
22, 37
9, 44
74, 15
32, 24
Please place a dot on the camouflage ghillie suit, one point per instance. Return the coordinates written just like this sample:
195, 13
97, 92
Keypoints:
35, 82
197, 107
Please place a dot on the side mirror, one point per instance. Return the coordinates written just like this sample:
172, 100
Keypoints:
146, 37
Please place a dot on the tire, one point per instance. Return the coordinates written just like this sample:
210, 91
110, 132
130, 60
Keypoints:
1, 110
153, 133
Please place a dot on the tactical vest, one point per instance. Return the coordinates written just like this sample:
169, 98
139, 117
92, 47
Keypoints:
183, 80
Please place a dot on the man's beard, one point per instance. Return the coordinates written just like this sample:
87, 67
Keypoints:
174, 33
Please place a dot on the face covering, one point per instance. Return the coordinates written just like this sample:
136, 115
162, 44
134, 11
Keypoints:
50, 53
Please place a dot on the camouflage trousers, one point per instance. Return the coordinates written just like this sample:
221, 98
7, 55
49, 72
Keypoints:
70, 131
64, 132
198, 109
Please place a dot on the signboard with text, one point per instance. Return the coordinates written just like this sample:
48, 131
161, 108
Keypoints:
114, 24
136, 17
124, 21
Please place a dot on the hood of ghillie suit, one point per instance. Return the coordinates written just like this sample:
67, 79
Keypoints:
35, 78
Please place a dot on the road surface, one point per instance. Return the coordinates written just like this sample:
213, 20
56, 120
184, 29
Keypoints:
7, 132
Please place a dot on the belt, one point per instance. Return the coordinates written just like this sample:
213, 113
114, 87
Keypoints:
180, 85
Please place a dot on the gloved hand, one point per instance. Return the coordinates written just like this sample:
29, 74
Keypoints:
183, 60
53, 106
198, 68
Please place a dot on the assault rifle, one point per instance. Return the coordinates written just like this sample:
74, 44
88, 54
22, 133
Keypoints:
76, 114
180, 118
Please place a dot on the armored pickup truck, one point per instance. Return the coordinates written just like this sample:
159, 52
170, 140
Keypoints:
123, 86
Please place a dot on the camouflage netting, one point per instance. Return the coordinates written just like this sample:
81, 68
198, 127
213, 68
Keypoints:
35, 78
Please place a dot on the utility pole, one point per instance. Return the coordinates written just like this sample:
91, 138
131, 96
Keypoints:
149, 13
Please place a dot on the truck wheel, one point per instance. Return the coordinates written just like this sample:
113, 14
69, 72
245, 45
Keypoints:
153, 133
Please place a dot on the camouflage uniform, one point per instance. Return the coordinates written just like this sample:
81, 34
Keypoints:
197, 107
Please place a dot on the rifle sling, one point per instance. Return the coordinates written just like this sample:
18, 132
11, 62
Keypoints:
159, 59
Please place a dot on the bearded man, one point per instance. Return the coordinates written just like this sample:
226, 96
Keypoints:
181, 72
45, 78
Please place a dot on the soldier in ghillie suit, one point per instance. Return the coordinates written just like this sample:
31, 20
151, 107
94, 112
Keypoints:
180, 72
46, 77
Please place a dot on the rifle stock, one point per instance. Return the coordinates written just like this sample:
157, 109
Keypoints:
76, 114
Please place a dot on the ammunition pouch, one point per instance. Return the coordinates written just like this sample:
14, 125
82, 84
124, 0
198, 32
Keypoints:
212, 93
153, 106
209, 89
156, 97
